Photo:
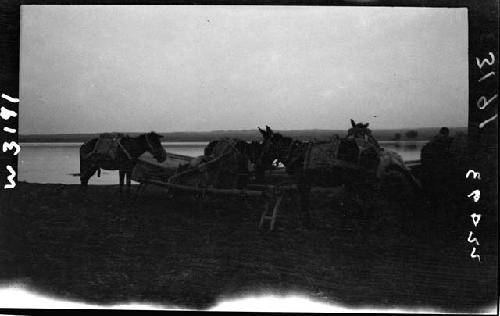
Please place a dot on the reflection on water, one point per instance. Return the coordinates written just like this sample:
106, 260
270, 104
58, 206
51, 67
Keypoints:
59, 162
409, 150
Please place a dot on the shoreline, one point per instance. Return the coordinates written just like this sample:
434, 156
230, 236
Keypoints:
423, 133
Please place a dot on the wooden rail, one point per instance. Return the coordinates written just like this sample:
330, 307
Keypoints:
292, 187
273, 195
234, 192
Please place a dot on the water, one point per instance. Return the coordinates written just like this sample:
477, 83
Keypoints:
409, 150
56, 162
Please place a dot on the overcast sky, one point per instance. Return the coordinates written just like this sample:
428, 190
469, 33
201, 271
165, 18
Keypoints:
182, 68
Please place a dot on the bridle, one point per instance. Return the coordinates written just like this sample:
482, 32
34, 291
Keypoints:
148, 143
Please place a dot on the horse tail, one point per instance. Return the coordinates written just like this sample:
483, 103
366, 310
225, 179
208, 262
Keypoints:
99, 172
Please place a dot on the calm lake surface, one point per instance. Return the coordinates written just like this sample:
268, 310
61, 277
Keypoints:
56, 162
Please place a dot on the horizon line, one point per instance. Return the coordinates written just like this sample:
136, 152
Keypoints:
240, 130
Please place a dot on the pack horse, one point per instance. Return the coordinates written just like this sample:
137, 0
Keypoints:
116, 151
355, 161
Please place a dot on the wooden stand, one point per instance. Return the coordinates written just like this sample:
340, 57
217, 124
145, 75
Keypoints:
274, 215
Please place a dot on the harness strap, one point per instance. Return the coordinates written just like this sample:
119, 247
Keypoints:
148, 143
124, 149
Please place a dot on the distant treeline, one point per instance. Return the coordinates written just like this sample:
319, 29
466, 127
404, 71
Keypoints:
248, 135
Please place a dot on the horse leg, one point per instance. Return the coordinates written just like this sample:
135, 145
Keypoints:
122, 176
86, 172
85, 167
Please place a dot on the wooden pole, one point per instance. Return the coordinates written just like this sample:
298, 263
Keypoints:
275, 211
264, 214
235, 192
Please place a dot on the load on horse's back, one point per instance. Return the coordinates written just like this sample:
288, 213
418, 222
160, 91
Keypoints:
249, 158
373, 157
105, 147
116, 151
223, 165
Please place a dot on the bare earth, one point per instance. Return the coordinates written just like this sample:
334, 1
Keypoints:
100, 248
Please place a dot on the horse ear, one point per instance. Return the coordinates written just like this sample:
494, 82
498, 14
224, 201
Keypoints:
262, 131
366, 125
269, 130
353, 123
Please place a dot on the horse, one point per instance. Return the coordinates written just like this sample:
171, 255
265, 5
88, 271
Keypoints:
127, 152
291, 153
358, 164
225, 164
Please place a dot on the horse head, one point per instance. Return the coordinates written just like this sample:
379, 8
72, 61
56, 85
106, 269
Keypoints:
358, 130
152, 144
274, 147
360, 133
268, 133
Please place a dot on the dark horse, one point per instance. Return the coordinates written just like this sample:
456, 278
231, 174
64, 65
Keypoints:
249, 160
129, 149
291, 153
360, 163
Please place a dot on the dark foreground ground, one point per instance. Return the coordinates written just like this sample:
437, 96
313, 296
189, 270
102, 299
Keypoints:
100, 248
